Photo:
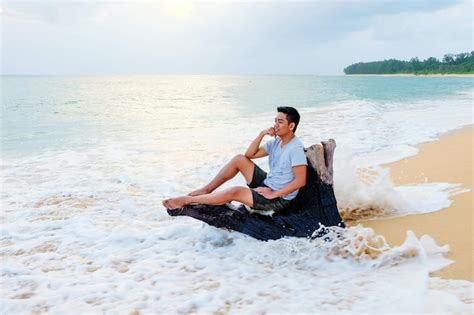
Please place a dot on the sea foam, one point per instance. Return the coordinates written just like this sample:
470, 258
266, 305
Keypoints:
181, 266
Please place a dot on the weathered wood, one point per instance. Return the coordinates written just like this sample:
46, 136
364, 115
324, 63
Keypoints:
315, 156
321, 158
329, 147
314, 206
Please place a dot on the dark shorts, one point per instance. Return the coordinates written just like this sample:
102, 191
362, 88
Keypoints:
260, 202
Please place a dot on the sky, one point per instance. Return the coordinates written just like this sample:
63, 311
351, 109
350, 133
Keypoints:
225, 37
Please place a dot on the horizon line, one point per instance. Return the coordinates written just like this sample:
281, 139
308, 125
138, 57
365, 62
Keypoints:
164, 74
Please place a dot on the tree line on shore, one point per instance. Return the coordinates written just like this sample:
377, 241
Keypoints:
462, 63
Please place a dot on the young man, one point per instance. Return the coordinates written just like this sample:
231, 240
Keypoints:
265, 192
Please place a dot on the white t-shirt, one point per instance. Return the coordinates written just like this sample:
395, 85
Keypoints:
281, 162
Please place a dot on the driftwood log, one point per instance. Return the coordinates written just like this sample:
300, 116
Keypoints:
314, 208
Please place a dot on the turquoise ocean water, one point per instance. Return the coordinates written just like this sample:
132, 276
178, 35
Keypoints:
43, 114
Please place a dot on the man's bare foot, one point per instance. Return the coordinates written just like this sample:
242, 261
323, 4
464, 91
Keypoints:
165, 203
175, 203
198, 192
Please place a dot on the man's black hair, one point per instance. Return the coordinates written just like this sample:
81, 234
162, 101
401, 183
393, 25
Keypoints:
292, 115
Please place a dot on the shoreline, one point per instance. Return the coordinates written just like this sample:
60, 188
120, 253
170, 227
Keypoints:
435, 75
447, 159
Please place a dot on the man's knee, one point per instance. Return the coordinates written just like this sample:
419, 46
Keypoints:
234, 192
240, 194
240, 159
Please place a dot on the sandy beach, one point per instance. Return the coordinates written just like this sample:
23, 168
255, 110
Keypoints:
448, 159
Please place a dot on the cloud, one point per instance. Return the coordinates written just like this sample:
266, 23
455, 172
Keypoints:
231, 37
59, 13
403, 36
449, 24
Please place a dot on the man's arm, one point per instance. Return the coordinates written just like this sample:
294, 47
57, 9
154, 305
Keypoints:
254, 150
300, 180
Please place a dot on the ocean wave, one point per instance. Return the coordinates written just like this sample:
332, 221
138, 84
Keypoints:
183, 266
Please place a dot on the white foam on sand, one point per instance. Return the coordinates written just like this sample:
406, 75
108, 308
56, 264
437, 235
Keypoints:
99, 261
369, 193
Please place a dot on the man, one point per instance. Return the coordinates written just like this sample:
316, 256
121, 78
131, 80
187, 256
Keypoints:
287, 174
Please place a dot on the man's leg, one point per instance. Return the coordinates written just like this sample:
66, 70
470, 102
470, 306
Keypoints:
240, 194
240, 163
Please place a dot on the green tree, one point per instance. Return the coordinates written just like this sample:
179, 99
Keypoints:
451, 63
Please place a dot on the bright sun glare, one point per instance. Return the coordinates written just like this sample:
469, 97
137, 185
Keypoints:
178, 9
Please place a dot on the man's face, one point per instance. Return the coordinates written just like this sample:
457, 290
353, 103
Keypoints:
281, 125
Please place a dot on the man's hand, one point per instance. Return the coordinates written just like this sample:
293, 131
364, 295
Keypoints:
266, 192
270, 132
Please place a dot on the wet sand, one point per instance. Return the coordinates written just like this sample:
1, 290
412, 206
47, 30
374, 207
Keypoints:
449, 159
